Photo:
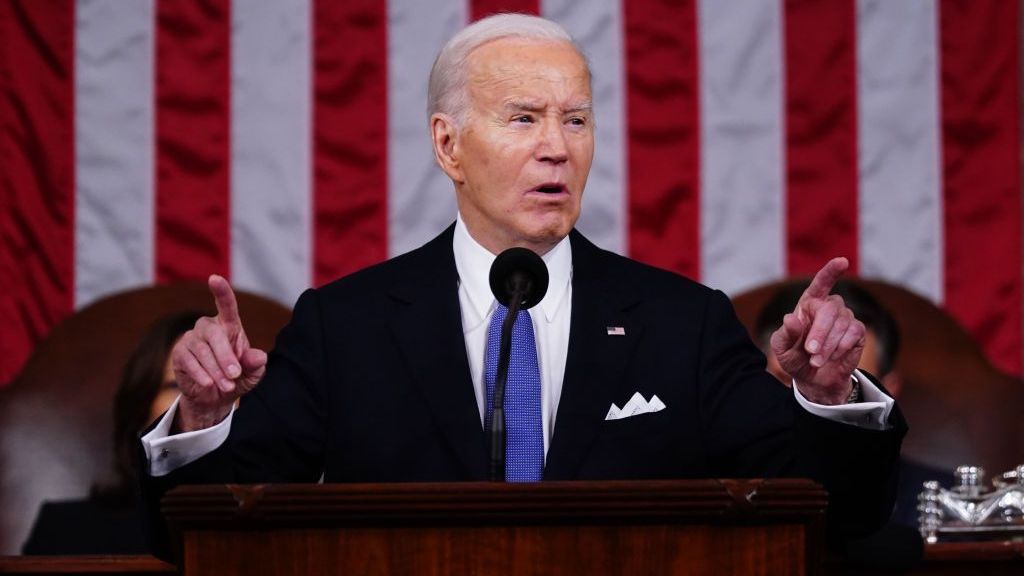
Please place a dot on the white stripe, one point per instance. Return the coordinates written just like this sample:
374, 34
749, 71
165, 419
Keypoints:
742, 153
899, 144
597, 26
114, 143
421, 200
271, 95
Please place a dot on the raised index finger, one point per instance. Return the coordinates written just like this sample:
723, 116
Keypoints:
826, 278
224, 297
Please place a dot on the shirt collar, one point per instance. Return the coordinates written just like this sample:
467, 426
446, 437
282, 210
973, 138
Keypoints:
473, 263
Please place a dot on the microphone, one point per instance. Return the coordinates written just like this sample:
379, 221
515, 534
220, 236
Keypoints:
519, 280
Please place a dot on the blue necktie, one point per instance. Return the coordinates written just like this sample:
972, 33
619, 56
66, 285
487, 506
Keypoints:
524, 443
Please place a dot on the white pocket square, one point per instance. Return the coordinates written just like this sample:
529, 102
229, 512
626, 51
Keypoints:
636, 406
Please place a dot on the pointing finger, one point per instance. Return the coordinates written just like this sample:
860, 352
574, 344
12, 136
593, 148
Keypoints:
826, 278
227, 305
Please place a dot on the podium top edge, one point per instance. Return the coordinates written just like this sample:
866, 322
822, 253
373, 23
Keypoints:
724, 498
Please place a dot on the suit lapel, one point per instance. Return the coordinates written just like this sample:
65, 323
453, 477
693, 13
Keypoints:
426, 322
596, 361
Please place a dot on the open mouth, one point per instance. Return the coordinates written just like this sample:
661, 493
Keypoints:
550, 188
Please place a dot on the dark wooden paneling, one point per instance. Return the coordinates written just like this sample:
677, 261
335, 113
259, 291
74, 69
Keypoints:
656, 527
95, 565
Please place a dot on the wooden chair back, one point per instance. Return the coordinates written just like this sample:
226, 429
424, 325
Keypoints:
56, 417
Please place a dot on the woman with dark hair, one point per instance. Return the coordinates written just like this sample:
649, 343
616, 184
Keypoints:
110, 521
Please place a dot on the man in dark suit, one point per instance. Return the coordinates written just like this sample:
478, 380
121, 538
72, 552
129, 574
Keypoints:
381, 376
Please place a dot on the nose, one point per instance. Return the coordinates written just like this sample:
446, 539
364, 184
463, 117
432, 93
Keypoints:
552, 146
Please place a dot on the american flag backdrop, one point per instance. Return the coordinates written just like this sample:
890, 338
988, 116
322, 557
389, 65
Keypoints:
284, 143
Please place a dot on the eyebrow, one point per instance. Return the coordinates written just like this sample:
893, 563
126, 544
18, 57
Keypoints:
584, 107
536, 106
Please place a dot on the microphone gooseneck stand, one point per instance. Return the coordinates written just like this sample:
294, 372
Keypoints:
500, 379
518, 280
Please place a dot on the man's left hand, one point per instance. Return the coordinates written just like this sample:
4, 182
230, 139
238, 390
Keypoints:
820, 343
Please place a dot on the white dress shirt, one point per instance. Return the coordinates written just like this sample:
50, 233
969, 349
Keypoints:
550, 319
551, 330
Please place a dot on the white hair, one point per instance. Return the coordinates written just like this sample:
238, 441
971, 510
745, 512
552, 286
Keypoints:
446, 91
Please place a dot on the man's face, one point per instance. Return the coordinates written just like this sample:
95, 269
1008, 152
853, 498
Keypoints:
520, 160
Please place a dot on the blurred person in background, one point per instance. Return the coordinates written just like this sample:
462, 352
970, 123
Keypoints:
109, 521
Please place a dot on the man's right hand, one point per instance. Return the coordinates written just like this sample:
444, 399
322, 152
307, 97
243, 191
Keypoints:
214, 364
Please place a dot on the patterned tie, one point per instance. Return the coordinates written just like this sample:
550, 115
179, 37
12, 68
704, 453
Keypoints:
524, 443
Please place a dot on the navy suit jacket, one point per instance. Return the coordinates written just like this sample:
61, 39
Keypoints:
369, 382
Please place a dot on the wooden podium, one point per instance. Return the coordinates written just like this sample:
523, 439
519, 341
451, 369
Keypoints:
651, 527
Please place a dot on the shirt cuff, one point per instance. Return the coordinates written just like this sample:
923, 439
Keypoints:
871, 412
166, 453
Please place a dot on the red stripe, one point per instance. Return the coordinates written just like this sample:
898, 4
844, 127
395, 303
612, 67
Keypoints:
480, 8
37, 177
350, 132
193, 78
821, 133
980, 135
664, 134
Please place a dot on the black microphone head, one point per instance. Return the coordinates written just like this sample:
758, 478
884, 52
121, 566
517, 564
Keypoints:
522, 270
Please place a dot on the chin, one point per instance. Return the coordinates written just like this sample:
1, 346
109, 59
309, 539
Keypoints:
544, 229
547, 237
556, 224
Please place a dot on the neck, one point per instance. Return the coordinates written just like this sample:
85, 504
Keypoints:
496, 246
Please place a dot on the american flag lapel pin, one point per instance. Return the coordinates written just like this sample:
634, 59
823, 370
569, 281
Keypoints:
616, 331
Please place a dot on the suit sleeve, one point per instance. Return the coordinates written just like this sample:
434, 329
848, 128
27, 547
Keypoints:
755, 428
277, 432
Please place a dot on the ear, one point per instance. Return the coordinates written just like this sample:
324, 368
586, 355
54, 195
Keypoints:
445, 138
